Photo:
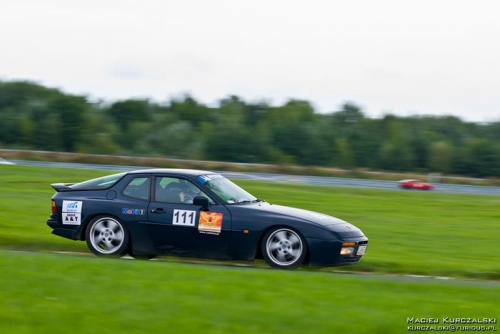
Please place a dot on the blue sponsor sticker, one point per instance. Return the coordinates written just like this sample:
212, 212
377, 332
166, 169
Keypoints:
134, 212
208, 177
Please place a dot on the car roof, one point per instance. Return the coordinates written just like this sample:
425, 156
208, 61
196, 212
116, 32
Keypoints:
190, 172
409, 180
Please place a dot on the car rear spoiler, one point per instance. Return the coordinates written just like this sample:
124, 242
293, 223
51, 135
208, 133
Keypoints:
60, 187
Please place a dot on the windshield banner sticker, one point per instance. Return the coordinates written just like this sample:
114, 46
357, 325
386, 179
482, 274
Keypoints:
208, 177
210, 222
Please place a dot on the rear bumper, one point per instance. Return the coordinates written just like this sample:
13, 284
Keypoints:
61, 231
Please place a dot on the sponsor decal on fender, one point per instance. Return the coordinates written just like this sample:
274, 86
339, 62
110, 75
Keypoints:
72, 212
210, 222
69, 218
72, 206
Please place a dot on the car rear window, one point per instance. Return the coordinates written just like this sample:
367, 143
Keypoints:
138, 188
104, 182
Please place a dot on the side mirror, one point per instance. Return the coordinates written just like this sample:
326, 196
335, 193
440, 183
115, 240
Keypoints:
201, 201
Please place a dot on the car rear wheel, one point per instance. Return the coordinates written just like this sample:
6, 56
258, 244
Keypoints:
284, 248
106, 236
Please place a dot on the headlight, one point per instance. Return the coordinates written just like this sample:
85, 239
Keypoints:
347, 248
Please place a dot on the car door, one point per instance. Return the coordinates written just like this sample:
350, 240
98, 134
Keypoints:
174, 222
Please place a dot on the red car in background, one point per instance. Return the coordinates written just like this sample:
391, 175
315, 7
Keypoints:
415, 184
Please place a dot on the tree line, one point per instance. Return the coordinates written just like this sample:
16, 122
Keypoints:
41, 118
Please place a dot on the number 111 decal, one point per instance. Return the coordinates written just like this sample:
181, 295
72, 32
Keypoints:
184, 217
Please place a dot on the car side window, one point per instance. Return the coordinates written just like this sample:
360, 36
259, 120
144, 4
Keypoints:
176, 190
138, 188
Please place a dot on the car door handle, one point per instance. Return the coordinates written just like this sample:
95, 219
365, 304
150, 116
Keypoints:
158, 210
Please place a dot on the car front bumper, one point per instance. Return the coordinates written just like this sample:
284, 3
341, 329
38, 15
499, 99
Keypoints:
325, 253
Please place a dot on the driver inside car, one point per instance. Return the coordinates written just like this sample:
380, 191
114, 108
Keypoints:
176, 195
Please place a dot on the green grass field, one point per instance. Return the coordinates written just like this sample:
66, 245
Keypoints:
410, 232
47, 293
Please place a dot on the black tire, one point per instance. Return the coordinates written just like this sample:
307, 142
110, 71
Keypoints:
106, 236
284, 248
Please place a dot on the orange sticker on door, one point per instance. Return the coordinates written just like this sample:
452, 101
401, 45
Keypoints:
210, 222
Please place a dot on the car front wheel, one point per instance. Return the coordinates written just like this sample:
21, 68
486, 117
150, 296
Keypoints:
284, 248
106, 236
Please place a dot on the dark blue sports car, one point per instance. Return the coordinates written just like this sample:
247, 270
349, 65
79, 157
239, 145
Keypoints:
197, 213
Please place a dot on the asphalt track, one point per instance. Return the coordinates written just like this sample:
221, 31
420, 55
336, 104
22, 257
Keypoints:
313, 180
250, 265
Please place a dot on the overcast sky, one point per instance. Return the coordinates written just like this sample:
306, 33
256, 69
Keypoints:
388, 56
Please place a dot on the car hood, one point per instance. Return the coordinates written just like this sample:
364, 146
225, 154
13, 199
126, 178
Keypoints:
333, 224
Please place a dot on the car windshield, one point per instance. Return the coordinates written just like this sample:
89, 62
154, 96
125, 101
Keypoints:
99, 183
225, 189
